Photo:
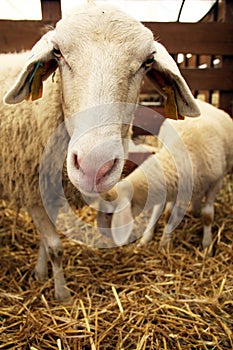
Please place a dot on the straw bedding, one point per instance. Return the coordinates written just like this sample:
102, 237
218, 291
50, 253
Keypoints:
123, 298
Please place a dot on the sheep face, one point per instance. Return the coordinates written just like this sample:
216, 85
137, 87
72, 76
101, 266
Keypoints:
102, 55
103, 74
106, 65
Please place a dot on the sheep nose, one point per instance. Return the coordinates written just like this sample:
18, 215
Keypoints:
75, 161
90, 173
105, 170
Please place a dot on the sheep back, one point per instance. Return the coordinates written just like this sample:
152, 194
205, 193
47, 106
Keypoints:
209, 142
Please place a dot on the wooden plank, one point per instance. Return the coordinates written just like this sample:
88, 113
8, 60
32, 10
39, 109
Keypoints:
209, 78
225, 101
20, 35
226, 97
204, 38
196, 38
51, 10
228, 11
201, 79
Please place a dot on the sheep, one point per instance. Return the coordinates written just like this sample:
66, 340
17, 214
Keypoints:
189, 167
97, 57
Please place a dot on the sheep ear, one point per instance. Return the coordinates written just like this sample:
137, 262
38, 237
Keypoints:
122, 224
39, 66
170, 83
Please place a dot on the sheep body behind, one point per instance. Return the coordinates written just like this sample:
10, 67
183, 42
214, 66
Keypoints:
208, 143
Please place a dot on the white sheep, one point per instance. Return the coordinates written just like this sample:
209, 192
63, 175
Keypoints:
190, 166
102, 56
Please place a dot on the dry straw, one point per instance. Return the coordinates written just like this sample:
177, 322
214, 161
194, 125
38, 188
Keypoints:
123, 298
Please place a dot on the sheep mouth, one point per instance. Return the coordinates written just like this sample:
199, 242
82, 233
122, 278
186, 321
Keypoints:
116, 164
128, 165
106, 182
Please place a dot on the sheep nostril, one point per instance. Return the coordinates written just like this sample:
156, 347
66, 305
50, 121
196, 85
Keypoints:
75, 161
105, 170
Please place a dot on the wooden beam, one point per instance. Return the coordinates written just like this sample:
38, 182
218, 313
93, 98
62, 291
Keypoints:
203, 38
196, 38
51, 10
201, 79
209, 78
20, 35
226, 97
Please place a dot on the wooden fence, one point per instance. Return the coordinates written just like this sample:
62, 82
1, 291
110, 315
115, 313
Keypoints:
207, 49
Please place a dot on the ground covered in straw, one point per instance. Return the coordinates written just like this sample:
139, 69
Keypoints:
123, 298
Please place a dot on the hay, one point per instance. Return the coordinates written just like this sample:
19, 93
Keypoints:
123, 298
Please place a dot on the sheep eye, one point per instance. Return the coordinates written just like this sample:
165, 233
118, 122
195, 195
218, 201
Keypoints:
57, 53
148, 63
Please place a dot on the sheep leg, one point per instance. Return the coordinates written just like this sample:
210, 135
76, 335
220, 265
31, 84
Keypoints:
41, 268
50, 249
149, 232
167, 232
207, 214
174, 213
196, 206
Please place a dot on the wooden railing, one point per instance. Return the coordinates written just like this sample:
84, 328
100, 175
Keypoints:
200, 43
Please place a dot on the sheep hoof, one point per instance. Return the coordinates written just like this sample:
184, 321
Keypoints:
144, 240
63, 294
208, 251
41, 275
165, 246
141, 243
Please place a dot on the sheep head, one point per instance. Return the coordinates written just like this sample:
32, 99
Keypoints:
102, 55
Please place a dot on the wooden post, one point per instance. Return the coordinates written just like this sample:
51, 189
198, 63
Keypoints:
51, 10
226, 97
